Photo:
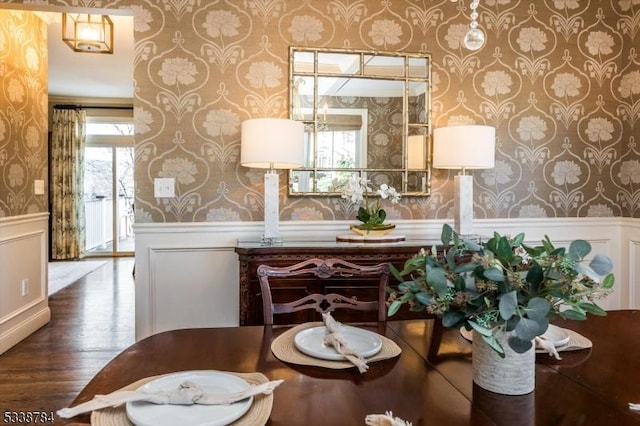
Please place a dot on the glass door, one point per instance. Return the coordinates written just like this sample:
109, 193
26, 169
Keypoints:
108, 186
108, 201
124, 189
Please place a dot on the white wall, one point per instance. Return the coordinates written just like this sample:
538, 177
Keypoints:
187, 273
23, 256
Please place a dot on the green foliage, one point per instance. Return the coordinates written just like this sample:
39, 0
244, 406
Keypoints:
503, 284
371, 218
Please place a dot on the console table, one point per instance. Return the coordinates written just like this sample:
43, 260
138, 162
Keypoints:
251, 255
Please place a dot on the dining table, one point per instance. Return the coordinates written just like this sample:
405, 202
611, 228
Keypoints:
590, 386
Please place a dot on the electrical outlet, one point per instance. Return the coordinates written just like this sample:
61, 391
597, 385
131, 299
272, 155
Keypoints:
164, 187
25, 287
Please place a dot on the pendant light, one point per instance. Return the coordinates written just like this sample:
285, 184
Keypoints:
87, 33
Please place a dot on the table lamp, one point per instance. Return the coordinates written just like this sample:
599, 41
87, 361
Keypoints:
272, 143
464, 147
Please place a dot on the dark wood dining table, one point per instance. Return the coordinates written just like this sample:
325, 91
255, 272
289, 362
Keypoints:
586, 387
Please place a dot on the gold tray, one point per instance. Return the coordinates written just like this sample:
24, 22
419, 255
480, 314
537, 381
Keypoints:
375, 232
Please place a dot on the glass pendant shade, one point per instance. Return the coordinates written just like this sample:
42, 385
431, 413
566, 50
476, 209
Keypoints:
88, 33
474, 39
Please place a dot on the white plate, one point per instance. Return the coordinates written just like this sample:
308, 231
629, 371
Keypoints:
558, 336
467, 334
311, 342
148, 414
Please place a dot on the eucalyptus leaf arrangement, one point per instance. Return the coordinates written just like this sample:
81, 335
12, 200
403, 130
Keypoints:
359, 192
503, 285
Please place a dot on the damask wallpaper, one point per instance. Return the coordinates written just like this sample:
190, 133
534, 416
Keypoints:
23, 112
559, 79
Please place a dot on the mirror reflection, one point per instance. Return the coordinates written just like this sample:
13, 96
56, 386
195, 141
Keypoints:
364, 112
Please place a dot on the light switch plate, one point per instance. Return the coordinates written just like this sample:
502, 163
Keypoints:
38, 187
164, 187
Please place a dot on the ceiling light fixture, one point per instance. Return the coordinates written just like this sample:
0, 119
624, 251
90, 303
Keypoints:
88, 33
474, 39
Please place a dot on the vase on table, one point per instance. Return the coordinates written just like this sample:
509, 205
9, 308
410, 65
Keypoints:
512, 375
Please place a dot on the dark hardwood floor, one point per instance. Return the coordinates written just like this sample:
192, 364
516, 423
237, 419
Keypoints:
92, 320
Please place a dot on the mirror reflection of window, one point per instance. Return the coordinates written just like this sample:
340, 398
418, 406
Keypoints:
337, 149
342, 141
342, 138
341, 144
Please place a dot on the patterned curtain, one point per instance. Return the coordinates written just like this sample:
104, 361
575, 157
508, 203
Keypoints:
67, 207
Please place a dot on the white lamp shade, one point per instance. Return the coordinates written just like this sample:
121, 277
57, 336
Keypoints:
272, 143
464, 147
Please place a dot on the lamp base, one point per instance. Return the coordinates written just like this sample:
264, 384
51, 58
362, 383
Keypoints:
463, 196
271, 241
271, 205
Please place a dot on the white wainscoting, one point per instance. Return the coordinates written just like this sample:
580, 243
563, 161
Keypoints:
194, 285
630, 261
187, 273
23, 257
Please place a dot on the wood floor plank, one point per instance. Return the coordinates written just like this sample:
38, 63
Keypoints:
92, 321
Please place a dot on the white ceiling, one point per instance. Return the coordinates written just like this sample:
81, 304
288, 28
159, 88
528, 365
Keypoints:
91, 75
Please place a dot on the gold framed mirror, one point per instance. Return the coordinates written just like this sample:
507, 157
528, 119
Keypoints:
365, 112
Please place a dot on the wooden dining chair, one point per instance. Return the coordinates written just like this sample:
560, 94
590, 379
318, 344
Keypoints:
318, 269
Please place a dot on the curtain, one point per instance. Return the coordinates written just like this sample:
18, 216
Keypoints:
67, 206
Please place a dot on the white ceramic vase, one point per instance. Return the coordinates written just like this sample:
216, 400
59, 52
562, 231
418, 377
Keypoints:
514, 374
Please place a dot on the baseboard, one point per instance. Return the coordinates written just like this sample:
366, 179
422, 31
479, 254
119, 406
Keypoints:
24, 328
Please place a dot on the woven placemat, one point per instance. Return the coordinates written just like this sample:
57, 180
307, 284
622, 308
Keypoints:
576, 341
258, 414
284, 349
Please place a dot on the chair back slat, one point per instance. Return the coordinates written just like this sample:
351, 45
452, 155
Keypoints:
332, 268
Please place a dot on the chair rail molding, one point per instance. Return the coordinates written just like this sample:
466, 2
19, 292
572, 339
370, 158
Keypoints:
199, 257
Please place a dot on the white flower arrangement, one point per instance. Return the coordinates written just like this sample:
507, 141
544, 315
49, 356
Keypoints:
358, 191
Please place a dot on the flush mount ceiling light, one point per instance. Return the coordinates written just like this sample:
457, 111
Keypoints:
88, 33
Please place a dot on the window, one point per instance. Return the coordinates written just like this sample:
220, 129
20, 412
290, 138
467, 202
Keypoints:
108, 185
98, 128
